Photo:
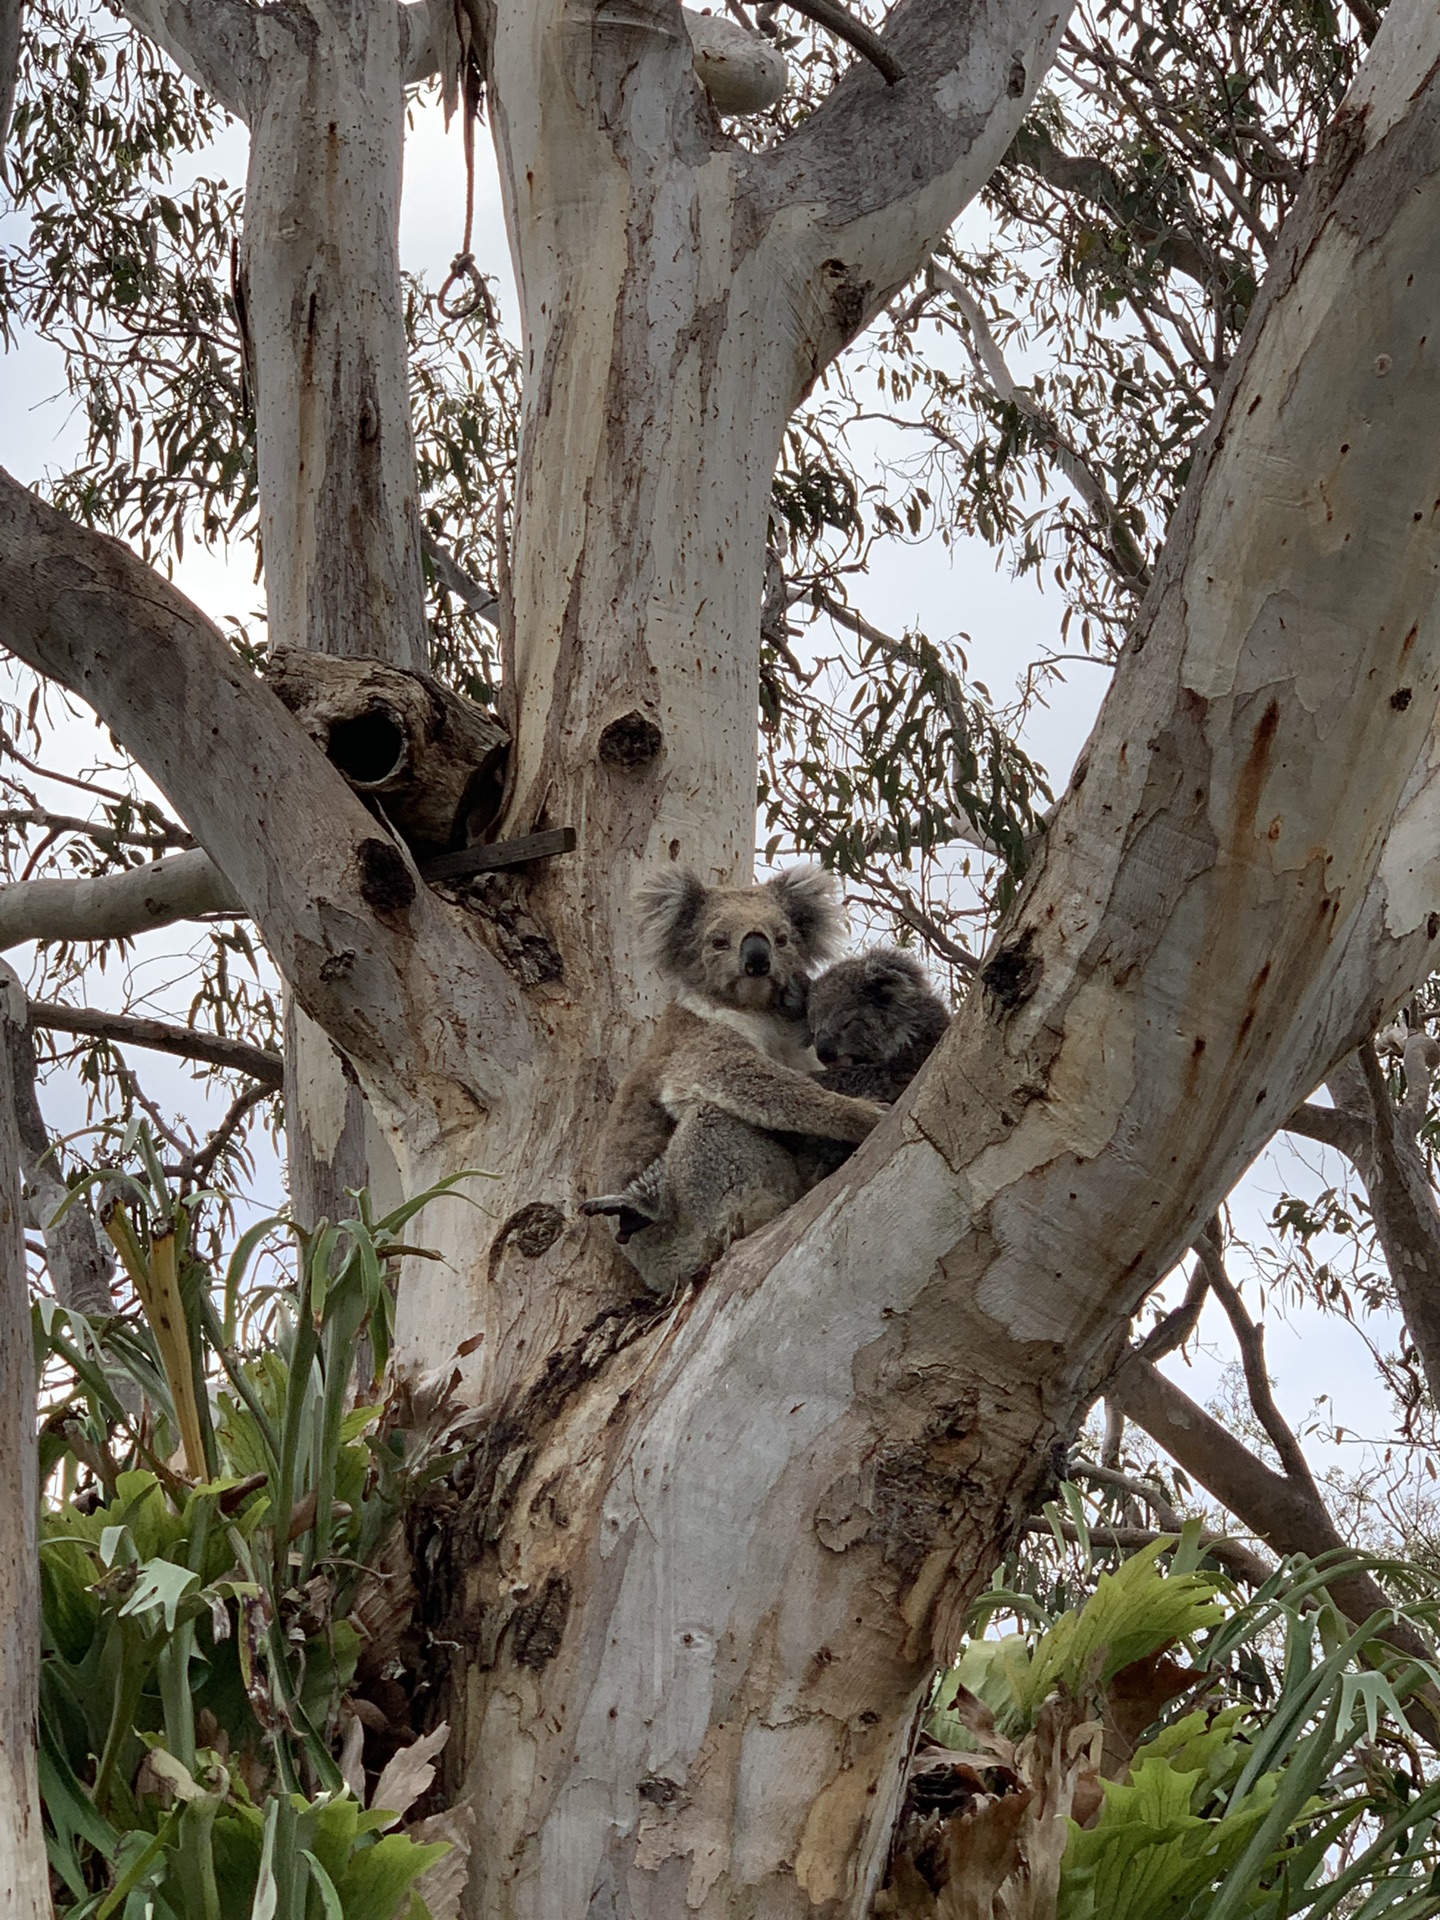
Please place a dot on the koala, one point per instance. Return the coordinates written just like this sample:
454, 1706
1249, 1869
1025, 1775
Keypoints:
874, 1020
687, 1159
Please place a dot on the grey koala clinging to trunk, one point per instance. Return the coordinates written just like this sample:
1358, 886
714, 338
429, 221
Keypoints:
724, 1073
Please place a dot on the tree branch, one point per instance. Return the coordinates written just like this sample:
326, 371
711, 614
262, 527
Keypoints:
375, 958
115, 906
197, 1166
1098, 183
874, 177
1388, 1158
97, 830
136, 1031
1290, 1517
834, 1433
1237, 1559
453, 577
1178, 1325
22, 1837
1329, 1126
1251, 1341
217, 43
989, 363
835, 19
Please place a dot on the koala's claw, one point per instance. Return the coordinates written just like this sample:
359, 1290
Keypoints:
629, 1219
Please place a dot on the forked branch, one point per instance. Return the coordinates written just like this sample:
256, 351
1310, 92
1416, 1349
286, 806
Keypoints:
883, 167
216, 42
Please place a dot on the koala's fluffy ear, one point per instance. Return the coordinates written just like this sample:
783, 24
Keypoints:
811, 898
670, 907
887, 968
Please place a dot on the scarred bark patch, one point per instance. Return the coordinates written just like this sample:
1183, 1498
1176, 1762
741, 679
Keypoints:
538, 1627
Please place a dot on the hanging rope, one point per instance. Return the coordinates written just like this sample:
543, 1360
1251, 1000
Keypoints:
471, 295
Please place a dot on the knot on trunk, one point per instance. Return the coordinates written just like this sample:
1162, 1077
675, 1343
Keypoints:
432, 760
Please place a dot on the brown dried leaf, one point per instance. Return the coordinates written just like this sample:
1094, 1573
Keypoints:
1134, 1701
409, 1773
983, 1852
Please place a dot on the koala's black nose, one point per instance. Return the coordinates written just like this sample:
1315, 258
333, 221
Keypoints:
755, 953
826, 1048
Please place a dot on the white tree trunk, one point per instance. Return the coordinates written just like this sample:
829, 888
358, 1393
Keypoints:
324, 317
24, 1870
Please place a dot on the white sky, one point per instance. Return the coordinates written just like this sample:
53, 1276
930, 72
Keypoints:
943, 590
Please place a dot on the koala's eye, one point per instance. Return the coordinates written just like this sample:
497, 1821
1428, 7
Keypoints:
782, 939
720, 942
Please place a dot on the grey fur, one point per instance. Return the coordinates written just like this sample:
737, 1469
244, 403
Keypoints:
875, 1020
725, 1072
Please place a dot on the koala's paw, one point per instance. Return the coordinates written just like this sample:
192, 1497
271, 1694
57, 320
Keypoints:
629, 1218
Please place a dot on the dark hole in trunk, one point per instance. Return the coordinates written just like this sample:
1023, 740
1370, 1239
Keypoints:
367, 749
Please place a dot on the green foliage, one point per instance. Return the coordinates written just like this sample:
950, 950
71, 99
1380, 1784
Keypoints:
1305, 1803
204, 1630
1136, 1611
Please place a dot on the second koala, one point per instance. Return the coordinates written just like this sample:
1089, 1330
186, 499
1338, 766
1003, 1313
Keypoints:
688, 1158
875, 1020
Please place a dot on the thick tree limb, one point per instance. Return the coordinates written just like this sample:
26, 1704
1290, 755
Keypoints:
373, 955
115, 906
216, 42
879, 170
741, 72
79, 1260
187, 1044
24, 1872
1329, 1126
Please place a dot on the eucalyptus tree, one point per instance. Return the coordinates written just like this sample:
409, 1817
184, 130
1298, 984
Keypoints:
710, 1554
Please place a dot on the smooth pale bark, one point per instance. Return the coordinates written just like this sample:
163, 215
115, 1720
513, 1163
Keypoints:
396, 977
115, 906
322, 311
678, 296
24, 1870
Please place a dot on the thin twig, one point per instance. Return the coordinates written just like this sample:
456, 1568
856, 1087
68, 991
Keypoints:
1250, 1338
196, 1167
1236, 1559
93, 829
